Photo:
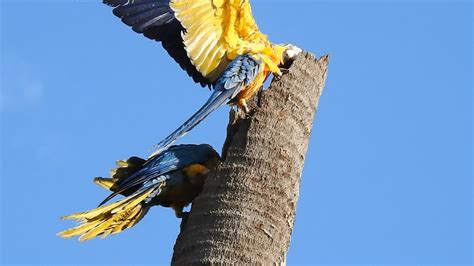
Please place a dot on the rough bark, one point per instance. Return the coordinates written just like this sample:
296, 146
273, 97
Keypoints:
246, 211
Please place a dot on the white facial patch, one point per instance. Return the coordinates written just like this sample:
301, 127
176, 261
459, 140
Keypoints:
292, 51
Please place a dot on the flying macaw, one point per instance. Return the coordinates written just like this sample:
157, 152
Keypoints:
217, 42
172, 178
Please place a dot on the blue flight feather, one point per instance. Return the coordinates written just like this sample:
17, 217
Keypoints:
240, 73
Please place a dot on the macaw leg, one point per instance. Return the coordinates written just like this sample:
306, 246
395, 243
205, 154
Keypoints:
242, 103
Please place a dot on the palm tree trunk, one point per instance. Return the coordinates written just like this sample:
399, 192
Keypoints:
246, 211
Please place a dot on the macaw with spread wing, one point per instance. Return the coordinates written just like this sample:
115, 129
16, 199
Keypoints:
217, 42
172, 178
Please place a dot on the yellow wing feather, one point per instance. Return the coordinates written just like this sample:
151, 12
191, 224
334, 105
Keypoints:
217, 31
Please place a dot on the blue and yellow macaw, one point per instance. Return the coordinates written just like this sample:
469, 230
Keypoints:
172, 178
217, 42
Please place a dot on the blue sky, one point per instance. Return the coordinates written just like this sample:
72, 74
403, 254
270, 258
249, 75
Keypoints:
388, 176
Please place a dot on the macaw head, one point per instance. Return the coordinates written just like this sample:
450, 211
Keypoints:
209, 159
288, 52
212, 158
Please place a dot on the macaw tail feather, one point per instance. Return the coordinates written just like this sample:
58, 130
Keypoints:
109, 219
125, 168
241, 72
218, 98
106, 183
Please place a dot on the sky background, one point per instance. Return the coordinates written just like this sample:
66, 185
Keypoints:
388, 176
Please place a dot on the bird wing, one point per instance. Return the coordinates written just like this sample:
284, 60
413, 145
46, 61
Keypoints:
156, 20
157, 168
217, 31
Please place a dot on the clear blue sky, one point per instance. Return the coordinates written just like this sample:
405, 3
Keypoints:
388, 176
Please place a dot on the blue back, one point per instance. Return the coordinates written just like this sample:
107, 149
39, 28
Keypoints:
173, 159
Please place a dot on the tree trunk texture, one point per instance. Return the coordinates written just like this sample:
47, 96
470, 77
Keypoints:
246, 211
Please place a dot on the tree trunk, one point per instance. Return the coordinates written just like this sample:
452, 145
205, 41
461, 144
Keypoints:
246, 211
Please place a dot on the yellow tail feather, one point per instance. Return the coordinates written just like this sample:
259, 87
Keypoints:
124, 169
108, 219
106, 183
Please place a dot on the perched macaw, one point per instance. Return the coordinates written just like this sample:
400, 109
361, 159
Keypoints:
172, 178
217, 42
